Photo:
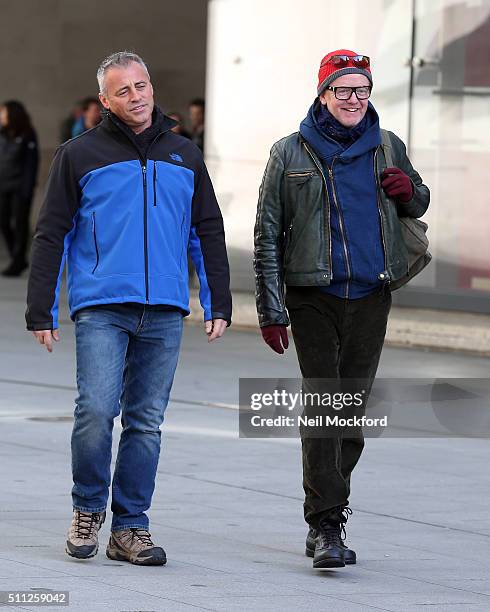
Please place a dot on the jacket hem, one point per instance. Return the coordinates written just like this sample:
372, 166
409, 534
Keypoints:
129, 298
307, 278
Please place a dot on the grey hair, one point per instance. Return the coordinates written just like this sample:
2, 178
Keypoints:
119, 58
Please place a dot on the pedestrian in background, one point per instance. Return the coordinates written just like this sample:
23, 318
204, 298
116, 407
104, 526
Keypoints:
329, 228
179, 128
67, 124
89, 117
196, 117
19, 160
124, 203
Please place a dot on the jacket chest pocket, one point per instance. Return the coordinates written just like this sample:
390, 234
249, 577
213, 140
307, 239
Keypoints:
303, 190
298, 178
299, 183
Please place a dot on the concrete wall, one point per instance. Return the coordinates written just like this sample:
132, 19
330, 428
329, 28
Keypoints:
50, 50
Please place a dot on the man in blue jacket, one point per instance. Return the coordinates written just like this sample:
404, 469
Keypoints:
330, 228
124, 204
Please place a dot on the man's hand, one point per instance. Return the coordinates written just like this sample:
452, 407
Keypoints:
46, 337
215, 328
397, 184
273, 335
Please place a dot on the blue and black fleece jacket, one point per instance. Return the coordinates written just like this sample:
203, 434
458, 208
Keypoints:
124, 224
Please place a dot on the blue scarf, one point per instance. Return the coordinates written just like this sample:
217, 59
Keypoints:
345, 136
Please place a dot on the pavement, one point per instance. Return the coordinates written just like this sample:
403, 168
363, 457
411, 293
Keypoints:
228, 510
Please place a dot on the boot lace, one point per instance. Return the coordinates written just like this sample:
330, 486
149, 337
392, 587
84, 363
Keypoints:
333, 531
142, 535
85, 523
329, 535
345, 513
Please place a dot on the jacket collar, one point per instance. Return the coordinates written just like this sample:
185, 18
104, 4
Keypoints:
113, 123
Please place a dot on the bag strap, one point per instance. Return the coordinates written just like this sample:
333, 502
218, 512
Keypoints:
386, 144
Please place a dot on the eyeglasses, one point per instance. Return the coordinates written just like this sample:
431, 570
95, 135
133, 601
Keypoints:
344, 93
340, 61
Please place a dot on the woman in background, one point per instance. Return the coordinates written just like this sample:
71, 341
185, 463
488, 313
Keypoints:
18, 171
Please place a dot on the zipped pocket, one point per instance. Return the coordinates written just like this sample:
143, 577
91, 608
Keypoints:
307, 174
183, 250
94, 232
297, 180
287, 240
154, 183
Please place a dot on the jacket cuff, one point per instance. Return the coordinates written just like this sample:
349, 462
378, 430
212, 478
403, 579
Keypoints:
222, 315
40, 326
281, 320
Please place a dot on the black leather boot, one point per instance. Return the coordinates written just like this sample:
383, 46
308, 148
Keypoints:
349, 554
326, 544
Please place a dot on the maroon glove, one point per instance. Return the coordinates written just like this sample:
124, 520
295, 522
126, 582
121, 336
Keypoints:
397, 184
273, 334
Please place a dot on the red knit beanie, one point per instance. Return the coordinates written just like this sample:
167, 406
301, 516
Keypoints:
329, 71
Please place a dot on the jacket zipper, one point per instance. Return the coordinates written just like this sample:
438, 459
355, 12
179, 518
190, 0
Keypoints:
143, 163
95, 242
154, 183
145, 230
342, 229
379, 208
320, 169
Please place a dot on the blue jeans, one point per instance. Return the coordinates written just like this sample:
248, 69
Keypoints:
126, 360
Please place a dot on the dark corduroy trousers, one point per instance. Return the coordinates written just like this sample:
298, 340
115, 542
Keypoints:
337, 339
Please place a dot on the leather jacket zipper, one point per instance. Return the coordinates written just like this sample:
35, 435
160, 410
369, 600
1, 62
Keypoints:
95, 242
322, 174
342, 230
378, 188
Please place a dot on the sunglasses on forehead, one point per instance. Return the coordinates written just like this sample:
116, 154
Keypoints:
340, 61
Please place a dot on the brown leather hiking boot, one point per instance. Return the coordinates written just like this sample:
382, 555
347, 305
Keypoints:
135, 545
82, 539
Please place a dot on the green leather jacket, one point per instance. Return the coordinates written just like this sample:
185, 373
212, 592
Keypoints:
294, 186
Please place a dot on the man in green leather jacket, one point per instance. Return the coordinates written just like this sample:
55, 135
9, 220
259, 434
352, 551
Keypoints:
337, 229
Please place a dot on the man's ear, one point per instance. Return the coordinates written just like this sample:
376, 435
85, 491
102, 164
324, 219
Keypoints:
104, 101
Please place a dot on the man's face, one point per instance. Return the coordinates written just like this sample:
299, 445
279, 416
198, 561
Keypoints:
129, 95
4, 116
348, 112
196, 116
